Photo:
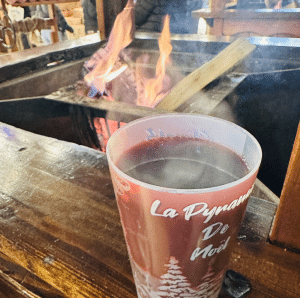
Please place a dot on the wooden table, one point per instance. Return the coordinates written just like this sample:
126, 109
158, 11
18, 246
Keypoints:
61, 236
262, 22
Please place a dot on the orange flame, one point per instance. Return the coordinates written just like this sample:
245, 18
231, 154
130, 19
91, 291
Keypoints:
278, 5
156, 88
120, 37
105, 66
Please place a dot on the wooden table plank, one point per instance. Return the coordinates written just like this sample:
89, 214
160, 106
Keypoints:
59, 220
286, 228
272, 271
25, 278
60, 198
12, 289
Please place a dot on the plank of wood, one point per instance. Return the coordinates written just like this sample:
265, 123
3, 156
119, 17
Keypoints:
59, 220
81, 252
46, 2
71, 271
12, 289
195, 81
54, 17
207, 100
101, 19
118, 111
286, 228
11, 270
272, 271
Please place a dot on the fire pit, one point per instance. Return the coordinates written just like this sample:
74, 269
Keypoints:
261, 94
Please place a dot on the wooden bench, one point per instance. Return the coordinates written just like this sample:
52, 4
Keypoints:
261, 22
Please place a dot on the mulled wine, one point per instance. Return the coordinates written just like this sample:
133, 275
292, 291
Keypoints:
182, 163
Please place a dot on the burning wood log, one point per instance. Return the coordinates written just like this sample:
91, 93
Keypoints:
136, 85
120, 37
195, 81
172, 98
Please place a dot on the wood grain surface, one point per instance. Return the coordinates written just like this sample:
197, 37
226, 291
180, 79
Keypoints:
234, 54
60, 231
286, 228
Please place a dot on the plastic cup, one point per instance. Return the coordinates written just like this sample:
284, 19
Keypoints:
179, 240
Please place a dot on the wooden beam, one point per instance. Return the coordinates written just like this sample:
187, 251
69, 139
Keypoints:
286, 228
100, 18
47, 2
11, 288
195, 81
13, 274
53, 16
3, 6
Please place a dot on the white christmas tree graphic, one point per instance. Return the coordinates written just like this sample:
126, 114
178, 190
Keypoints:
174, 284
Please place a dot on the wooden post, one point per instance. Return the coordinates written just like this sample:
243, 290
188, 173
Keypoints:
53, 16
100, 18
286, 227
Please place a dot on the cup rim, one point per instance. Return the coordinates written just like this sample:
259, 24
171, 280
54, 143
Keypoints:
180, 190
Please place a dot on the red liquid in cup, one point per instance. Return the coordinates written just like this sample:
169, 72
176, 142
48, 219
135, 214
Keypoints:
179, 243
182, 163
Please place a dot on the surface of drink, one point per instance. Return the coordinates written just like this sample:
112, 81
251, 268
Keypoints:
182, 163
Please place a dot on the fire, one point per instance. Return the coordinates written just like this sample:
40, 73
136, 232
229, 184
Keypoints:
278, 5
156, 88
109, 63
120, 37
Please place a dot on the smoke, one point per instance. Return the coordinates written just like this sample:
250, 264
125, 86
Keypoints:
181, 16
